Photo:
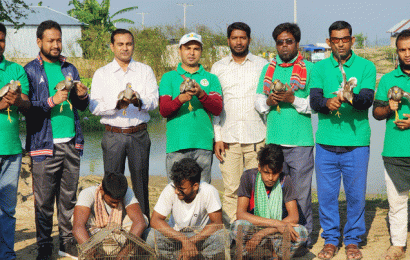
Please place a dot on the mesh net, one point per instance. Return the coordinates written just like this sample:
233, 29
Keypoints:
115, 243
215, 246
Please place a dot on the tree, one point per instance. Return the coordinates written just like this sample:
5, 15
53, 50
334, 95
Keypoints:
91, 12
12, 10
360, 40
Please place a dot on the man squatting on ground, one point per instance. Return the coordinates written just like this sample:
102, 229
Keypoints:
239, 130
10, 152
396, 152
54, 139
342, 139
192, 203
267, 198
111, 203
125, 120
189, 114
288, 114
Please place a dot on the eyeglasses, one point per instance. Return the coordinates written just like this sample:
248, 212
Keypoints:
287, 41
337, 40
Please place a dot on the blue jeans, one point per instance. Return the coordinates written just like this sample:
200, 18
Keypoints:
10, 166
202, 157
330, 168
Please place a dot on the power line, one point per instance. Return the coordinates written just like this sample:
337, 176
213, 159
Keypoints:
185, 6
143, 15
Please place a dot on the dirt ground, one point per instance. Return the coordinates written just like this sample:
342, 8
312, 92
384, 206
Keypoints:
376, 240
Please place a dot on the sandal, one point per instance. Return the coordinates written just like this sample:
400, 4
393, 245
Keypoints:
328, 252
353, 252
395, 253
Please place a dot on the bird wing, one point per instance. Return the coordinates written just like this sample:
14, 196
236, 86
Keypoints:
389, 93
406, 95
4, 90
60, 85
121, 95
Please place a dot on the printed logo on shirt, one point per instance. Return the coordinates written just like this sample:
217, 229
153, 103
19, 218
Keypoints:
41, 80
204, 82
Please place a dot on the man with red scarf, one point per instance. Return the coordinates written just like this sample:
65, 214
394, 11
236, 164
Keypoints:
288, 113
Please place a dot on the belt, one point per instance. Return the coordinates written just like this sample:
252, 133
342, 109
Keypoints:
128, 130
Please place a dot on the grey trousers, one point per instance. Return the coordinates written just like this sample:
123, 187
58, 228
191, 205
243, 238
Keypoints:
56, 179
136, 147
299, 163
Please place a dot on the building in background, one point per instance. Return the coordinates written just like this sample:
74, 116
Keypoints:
395, 30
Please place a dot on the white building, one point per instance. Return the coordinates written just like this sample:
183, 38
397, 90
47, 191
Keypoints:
22, 43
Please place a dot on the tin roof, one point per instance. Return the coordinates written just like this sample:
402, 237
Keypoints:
38, 14
404, 24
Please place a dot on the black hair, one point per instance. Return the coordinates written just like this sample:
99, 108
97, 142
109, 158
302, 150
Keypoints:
340, 25
272, 156
3, 29
121, 31
239, 26
115, 185
291, 28
186, 169
405, 34
49, 24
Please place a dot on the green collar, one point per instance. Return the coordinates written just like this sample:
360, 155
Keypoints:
181, 71
348, 63
3, 63
399, 73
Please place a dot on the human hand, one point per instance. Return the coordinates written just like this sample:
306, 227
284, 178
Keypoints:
333, 103
60, 96
288, 96
184, 97
253, 242
289, 226
271, 100
13, 98
219, 149
196, 90
403, 124
81, 89
394, 105
122, 104
188, 250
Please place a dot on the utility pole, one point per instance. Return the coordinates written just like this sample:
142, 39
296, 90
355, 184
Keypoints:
295, 12
185, 6
143, 15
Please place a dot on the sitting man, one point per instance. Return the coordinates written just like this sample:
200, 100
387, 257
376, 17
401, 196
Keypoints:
193, 204
266, 198
107, 205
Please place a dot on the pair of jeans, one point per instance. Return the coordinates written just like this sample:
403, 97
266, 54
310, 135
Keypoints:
330, 168
10, 166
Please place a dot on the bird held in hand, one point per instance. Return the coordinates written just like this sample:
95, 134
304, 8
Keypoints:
396, 93
14, 85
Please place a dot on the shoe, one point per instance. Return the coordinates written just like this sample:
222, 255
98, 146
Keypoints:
69, 249
353, 252
328, 252
395, 253
45, 252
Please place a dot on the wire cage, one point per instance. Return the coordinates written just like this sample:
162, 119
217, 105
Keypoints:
114, 243
215, 246
256, 242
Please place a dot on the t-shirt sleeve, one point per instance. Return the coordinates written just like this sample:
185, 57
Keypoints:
164, 203
215, 85
289, 193
214, 202
316, 80
129, 198
381, 93
245, 185
86, 197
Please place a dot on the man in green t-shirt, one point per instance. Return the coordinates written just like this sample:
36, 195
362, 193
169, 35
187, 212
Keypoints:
288, 113
396, 151
10, 152
343, 138
189, 125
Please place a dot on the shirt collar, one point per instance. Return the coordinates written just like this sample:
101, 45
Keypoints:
61, 58
116, 67
181, 71
399, 73
250, 57
3, 63
348, 63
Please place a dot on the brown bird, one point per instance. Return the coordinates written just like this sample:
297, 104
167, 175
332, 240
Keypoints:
278, 86
395, 93
129, 94
68, 84
13, 85
187, 85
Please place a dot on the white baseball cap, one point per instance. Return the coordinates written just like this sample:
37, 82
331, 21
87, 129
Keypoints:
190, 37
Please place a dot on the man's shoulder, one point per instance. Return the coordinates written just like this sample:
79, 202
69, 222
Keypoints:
309, 64
222, 62
259, 60
391, 75
32, 64
206, 187
364, 62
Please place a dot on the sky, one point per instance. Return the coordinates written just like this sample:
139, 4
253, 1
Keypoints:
372, 18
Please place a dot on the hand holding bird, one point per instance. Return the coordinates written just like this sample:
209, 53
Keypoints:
187, 89
11, 94
128, 96
63, 88
395, 94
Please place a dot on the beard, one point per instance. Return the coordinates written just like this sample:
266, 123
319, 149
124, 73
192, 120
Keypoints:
404, 66
49, 56
240, 54
344, 57
288, 57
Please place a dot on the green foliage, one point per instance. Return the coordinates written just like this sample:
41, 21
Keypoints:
12, 10
360, 40
95, 42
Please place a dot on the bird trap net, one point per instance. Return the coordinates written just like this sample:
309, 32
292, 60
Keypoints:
115, 243
256, 242
215, 246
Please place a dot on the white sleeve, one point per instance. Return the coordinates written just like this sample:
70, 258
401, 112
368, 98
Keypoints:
302, 105
129, 198
217, 128
150, 96
260, 104
86, 197
164, 203
214, 202
101, 103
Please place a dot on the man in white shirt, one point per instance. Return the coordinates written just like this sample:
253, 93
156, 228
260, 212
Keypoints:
125, 120
192, 204
239, 130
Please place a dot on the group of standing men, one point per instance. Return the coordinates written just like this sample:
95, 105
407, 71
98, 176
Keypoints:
247, 117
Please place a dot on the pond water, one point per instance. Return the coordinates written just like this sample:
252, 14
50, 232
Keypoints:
92, 163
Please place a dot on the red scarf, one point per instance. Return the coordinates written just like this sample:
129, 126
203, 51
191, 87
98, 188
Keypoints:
298, 78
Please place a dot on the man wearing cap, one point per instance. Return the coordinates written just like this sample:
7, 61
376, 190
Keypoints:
125, 120
189, 123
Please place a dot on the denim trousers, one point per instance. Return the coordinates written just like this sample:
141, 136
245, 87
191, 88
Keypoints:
331, 167
10, 166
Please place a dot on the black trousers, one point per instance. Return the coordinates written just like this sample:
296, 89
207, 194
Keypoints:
56, 179
136, 147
